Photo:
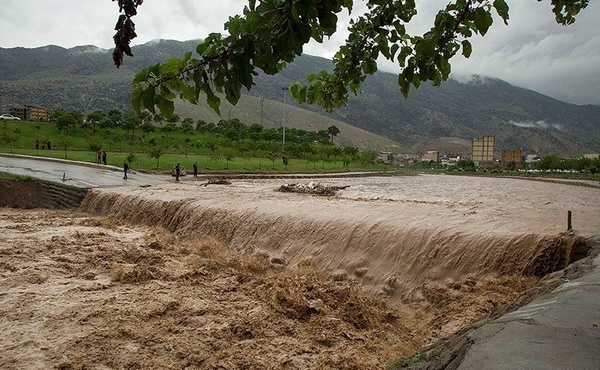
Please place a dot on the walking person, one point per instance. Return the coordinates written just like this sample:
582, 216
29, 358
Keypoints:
125, 169
177, 172
195, 169
104, 157
99, 156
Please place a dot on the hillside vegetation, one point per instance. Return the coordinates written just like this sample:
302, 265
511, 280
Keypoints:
83, 78
227, 146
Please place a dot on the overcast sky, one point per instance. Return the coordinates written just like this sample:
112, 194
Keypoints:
532, 51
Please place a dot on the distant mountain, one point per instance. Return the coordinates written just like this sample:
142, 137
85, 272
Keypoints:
444, 118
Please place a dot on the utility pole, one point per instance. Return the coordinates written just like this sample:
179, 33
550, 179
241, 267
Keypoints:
285, 89
262, 109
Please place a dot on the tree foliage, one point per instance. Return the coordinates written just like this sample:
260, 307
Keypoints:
271, 33
67, 120
333, 131
125, 29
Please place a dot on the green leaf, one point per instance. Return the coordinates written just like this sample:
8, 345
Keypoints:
467, 48
136, 99
298, 91
232, 91
328, 22
502, 9
393, 51
416, 81
188, 93
213, 101
148, 98
369, 66
483, 20
166, 106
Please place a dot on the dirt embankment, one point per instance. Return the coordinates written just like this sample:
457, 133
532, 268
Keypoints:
27, 194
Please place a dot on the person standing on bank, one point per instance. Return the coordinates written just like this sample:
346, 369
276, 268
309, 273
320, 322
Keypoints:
177, 172
99, 156
125, 169
104, 157
195, 169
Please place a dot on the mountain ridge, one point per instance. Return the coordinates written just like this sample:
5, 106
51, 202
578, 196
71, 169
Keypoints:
84, 78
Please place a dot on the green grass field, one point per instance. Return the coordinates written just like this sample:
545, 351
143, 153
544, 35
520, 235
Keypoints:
120, 147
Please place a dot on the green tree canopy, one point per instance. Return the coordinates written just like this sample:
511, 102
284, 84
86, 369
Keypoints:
95, 118
333, 131
271, 33
67, 120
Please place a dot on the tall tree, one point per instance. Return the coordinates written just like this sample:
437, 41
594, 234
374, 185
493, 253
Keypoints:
333, 131
131, 122
67, 120
95, 118
116, 117
271, 33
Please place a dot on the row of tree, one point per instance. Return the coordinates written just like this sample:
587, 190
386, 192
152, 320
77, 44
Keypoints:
554, 163
223, 139
232, 129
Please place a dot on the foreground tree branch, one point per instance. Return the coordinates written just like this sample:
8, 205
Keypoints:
269, 35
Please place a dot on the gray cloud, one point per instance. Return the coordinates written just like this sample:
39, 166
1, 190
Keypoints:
532, 52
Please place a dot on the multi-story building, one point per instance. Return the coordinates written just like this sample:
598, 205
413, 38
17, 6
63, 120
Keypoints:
35, 113
483, 150
30, 113
387, 157
514, 155
431, 155
18, 112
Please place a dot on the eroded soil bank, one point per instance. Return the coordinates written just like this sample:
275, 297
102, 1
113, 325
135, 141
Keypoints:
32, 193
153, 278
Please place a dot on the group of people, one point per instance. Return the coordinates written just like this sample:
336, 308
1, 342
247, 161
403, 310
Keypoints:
101, 156
176, 169
44, 146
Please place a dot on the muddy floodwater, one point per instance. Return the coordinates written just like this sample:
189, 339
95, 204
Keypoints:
189, 275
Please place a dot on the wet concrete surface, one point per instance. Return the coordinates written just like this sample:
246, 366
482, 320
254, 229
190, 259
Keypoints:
558, 331
91, 175
78, 174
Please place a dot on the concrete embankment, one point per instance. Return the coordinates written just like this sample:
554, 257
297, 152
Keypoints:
34, 193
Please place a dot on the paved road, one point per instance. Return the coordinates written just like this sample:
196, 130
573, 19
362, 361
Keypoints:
79, 174
87, 174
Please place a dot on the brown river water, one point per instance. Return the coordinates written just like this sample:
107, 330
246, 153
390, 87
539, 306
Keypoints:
241, 276
381, 230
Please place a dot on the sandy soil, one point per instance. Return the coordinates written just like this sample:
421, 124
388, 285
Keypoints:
152, 278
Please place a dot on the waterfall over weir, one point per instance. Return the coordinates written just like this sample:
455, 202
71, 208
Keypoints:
393, 237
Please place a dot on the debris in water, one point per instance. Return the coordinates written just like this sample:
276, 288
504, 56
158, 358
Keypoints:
311, 188
217, 182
